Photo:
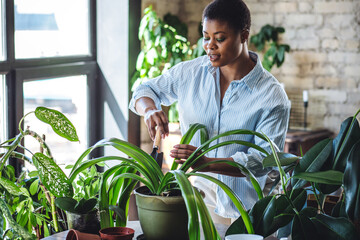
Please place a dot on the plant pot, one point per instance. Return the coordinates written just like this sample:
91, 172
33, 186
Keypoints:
77, 235
161, 218
244, 237
117, 233
86, 223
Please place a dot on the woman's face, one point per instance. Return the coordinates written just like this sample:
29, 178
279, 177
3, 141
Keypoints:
221, 43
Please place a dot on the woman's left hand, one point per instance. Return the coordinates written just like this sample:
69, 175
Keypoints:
183, 151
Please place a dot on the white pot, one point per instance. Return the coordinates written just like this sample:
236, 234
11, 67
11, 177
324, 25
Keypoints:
244, 237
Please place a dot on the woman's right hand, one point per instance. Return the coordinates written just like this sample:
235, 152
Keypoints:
156, 118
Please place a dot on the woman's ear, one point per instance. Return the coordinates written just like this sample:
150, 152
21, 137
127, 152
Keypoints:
244, 36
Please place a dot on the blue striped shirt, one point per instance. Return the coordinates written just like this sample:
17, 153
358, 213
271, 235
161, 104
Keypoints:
256, 102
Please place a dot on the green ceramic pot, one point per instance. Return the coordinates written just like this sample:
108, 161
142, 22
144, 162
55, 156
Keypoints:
86, 223
161, 218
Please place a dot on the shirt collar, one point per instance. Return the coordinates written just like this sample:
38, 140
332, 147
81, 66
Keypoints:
251, 78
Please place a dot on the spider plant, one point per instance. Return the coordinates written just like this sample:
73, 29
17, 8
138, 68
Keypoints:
124, 179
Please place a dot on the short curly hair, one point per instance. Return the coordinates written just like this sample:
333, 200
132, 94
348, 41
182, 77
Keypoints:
234, 12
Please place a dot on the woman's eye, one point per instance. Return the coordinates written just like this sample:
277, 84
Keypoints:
206, 38
220, 39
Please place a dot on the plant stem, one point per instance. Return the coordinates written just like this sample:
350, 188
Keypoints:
43, 145
53, 213
317, 198
21, 120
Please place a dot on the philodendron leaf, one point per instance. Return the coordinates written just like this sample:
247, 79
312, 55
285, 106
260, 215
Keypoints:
285, 159
331, 228
59, 123
10, 186
86, 205
51, 176
352, 183
66, 203
313, 160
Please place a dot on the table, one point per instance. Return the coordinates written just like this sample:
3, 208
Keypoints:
136, 226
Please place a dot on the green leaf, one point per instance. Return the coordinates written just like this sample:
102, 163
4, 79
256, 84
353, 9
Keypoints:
313, 160
186, 138
352, 183
339, 210
262, 215
34, 187
234, 198
236, 227
66, 203
285, 159
303, 227
208, 225
85, 205
10, 186
326, 177
187, 193
243, 170
59, 123
51, 176
17, 228
119, 212
343, 143
331, 228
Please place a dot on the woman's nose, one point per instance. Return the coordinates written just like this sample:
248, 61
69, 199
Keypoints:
211, 44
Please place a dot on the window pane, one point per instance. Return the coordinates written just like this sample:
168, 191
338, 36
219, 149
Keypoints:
2, 29
46, 28
3, 109
67, 95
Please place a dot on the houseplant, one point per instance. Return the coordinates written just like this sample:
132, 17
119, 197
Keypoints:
330, 164
164, 44
159, 183
267, 41
51, 178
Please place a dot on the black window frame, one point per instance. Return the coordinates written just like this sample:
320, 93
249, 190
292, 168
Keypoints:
19, 70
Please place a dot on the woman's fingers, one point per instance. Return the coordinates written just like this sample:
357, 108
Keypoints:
156, 118
182, 151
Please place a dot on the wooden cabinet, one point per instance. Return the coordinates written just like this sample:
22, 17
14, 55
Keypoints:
301, 139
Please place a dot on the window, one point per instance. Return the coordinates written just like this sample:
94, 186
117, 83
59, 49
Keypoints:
46, 28
49, 59
67, 95
2, 109
2, 28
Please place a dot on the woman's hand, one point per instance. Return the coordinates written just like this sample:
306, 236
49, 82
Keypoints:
153, 118
183, 152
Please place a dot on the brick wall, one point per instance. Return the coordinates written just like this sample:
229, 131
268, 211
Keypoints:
325, 56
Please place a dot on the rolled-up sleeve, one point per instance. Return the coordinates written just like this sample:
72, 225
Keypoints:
162, 90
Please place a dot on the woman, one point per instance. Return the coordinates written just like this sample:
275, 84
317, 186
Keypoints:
225, 90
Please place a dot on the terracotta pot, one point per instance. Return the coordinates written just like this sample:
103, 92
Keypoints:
162, 218
117, 233
77, 235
